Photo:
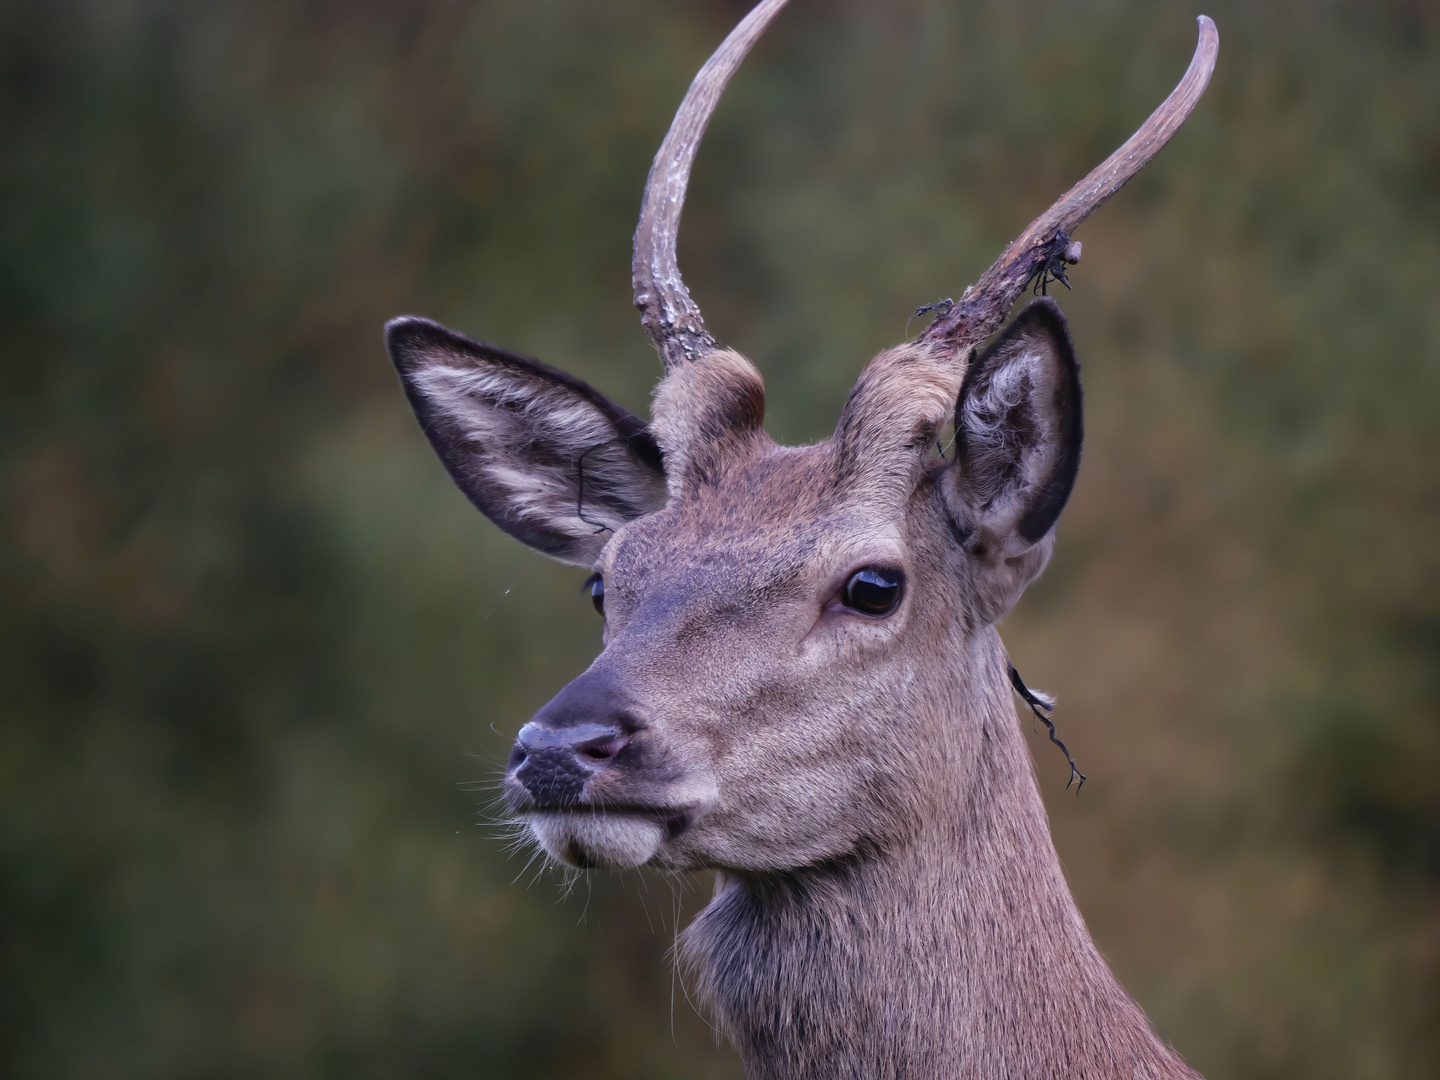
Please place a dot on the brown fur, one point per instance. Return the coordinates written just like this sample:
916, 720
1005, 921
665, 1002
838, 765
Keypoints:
705, 414
956, 953
888, 901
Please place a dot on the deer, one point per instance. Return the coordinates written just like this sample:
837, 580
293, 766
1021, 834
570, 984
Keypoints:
802, 687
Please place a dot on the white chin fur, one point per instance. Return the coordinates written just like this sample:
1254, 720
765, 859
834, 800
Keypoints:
585, 840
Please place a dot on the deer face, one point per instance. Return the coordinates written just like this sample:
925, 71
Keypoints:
788, 631
786, 628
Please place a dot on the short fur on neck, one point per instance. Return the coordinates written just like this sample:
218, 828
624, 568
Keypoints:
958, 955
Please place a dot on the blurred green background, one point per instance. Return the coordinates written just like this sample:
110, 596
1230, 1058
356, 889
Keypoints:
260, 662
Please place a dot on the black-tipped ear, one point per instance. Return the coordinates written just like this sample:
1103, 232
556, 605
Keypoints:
549, 459
1018, 431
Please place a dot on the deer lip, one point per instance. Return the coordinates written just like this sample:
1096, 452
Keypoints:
675, 820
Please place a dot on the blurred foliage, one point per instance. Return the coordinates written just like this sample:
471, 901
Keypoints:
256, 654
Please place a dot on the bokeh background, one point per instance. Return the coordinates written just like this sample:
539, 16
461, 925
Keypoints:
259, 660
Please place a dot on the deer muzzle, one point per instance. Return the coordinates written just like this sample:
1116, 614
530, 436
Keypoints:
589, 778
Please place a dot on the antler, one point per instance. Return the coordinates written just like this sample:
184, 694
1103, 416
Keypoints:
668, 314
1045, 245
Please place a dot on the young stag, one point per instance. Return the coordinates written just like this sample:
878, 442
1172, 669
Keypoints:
802, 687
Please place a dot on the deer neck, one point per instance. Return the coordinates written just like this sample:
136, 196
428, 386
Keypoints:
959, 954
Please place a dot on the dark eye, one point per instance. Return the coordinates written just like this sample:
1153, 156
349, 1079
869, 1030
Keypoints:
875, 590
595, 586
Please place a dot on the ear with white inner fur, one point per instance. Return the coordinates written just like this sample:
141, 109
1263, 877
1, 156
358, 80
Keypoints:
1018, 430
549, 459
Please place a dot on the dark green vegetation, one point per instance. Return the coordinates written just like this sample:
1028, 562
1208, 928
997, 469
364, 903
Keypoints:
252, 643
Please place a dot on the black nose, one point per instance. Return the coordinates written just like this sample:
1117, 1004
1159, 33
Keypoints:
576, 735
554, 763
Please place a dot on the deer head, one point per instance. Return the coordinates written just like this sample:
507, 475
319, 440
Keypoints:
778, 620
799, 649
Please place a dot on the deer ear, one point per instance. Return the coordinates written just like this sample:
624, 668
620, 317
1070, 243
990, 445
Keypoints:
1018, 430
550, 460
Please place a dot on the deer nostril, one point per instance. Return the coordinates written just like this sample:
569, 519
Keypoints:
602, 749
584, 746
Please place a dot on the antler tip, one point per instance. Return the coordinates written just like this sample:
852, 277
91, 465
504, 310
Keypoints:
1209, 33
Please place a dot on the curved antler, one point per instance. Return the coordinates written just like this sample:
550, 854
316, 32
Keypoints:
1043, 246
668, 314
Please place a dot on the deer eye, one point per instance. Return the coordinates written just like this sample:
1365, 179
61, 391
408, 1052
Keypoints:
595, 586
873, 590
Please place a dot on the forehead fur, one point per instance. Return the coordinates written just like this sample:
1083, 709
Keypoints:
752, 493
763, 508
708, 417
771, 518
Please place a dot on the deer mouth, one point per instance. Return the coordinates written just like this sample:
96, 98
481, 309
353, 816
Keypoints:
599, 792
590, 837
